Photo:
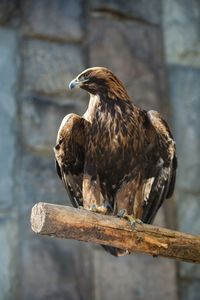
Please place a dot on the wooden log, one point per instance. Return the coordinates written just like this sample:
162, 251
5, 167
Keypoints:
83, 225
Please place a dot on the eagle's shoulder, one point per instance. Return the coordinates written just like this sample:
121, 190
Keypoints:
164, 139
69, 154
160, 173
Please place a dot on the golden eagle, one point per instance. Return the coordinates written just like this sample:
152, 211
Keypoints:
117, 156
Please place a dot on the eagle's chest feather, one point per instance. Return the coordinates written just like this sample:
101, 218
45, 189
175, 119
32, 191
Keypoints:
116, 137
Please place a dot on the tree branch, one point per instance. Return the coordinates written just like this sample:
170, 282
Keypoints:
83, 225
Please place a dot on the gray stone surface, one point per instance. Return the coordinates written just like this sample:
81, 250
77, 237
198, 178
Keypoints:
51, 268
138, 10
44, 115
8, 77
188, 212
59, 20
181, 21
189, 271
49, 67
190, 289
8, 257
188, 216
137, 61
135, 277
39, 182
56, 269
185, 97
185, 100
7, 8
8, 221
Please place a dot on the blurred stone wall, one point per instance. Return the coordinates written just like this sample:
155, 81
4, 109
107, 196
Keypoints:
153, 47
181, 28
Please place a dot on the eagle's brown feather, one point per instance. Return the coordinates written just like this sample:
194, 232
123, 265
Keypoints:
117, 156
69, 155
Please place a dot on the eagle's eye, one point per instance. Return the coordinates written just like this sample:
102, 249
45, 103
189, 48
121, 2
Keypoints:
84, 77
60, 140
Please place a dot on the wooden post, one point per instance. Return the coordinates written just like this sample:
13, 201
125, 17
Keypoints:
83, 225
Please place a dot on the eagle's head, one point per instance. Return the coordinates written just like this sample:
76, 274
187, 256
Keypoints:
100, 81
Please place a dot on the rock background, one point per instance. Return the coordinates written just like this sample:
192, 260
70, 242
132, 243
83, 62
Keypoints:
154, 47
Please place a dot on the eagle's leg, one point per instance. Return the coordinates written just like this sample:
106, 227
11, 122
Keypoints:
94, 208
130, 218
106, 208
92, 196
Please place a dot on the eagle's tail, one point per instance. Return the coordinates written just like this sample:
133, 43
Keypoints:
115, 251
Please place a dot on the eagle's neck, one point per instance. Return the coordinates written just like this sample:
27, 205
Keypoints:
94, 103
107, 113
112, 109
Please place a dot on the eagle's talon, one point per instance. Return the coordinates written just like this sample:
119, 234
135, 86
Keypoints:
98, 209
109, 207
94, 208
122, 213
139, 221
133, 221
130, 218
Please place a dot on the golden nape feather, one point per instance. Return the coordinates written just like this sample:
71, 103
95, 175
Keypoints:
116, 157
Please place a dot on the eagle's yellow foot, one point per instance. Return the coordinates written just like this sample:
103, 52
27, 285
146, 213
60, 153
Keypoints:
99, 209
130, 218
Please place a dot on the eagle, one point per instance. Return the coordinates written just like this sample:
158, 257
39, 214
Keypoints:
116, 159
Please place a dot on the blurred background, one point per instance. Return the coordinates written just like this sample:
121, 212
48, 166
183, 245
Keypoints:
153, 46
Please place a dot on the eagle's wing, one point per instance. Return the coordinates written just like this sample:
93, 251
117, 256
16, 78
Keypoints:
69, 155
160, 179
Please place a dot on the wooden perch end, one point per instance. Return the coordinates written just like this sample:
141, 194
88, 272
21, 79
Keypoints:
83, 225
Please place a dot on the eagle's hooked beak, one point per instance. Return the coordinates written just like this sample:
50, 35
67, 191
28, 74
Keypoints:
74, 83
78, 82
